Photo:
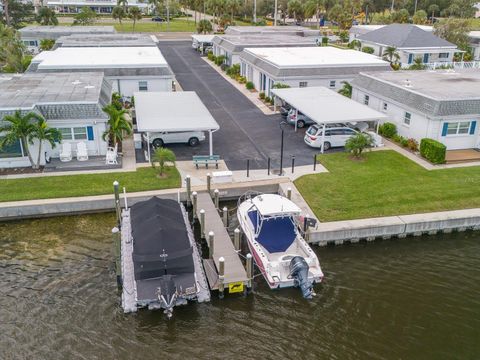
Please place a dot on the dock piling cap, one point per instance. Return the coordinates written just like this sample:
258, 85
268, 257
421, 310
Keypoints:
249, 256
221, 259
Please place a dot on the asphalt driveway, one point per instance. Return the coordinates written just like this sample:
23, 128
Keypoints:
245, 132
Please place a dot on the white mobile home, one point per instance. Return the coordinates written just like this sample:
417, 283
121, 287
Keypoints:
443, 105
71, 102
305, 66
129, 69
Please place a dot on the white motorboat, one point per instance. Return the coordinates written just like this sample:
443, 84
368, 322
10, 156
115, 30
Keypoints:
279, 249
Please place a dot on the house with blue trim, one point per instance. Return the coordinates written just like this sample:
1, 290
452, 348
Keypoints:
72, 102
411, 42
443, 105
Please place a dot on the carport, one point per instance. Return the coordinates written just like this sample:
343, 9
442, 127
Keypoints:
200, 41
173, 112
325, 106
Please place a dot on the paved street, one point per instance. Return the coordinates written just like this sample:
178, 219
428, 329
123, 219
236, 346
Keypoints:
245, 132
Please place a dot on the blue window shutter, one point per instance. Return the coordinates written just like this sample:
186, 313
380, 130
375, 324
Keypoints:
90, 133
473, 125
445, 129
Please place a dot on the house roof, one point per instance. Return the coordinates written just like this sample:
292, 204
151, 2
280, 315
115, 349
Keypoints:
54, 32
59, 96
106, 40
236, 43
434, 93
296, 30
405, 36
312, 61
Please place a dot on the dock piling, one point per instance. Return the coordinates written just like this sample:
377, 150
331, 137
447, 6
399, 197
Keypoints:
216, 198
221, 277
249, 273
289, 193
225, 216
194, 204
118, 210
202, 224
209, 184
189, 188
236, 239
211, 239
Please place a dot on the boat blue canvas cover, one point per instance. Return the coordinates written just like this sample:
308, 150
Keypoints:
276, 234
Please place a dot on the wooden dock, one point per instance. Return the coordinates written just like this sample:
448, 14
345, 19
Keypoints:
222, 247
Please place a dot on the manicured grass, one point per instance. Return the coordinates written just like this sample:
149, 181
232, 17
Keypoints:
154, 27
385, 184
84, 185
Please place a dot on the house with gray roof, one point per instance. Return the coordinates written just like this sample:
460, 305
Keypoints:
129, 69
32, 35
443, 105
69, 101
286, 30
305, 66
232, 45
411, 42
107, 40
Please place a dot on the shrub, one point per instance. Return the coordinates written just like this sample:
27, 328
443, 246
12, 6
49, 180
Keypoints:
412, 144
324, 41
368, 50
242, 79
219, 60
249, 85
357, 143
210, 55
267, 99
403, 141
272, 100
433, 150
388, 130
397, 138
261, 95
233, 70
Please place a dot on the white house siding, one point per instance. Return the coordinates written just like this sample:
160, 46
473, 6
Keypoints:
421, 126
130, 85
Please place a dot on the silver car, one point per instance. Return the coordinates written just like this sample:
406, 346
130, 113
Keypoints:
192, 138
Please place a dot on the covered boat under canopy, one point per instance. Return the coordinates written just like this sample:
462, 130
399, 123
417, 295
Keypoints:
162, 253
276, 233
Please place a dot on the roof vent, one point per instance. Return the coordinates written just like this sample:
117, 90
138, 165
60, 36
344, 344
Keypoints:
76, 82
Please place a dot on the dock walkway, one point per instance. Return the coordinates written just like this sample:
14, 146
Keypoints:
222, 246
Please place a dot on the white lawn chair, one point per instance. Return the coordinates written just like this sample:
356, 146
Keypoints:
66, 152
82, 152
111, 157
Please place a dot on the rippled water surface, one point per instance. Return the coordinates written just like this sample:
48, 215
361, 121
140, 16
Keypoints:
416, 298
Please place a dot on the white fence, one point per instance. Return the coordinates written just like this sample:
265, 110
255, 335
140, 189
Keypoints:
453, 65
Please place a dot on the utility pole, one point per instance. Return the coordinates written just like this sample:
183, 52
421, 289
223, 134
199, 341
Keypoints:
416, 1
255, 11
393, 5
168, 16
275, 12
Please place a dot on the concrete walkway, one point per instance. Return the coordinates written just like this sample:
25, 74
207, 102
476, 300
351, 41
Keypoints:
422, 162
252, 96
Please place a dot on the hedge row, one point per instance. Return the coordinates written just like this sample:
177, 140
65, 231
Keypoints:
433, 151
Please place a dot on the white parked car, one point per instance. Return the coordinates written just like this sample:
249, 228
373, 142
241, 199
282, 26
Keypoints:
192, 138
334, 136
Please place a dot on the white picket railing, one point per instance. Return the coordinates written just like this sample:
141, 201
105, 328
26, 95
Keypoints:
453, 65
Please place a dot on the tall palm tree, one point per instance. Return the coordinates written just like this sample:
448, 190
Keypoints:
391, 55
19, 127
232, 6
46, 16
118, 125
118, 13
42, 132
346, 90
313, 7
433, 8
135, 14
123, 4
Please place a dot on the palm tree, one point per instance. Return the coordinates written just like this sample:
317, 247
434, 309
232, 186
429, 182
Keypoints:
346, 89
204, 27
46, 16
42, 132
118, 125
313, 7
123, 4
391, 55
19, 127
232, 6
118, 13
161, 156
417, 64
46, 44
433, 8
135, 14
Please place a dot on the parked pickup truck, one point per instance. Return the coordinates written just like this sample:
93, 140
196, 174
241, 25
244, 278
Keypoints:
192, 138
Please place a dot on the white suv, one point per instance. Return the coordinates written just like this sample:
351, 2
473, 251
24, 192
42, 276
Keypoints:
334, 136
192, 138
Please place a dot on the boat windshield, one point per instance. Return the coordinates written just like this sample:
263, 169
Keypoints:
275, 234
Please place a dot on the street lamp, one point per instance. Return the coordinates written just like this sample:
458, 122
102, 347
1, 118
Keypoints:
281, 149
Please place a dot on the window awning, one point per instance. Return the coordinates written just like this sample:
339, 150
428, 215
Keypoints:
325, 106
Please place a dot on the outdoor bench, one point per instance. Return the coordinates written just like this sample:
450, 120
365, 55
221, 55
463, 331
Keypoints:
205, 160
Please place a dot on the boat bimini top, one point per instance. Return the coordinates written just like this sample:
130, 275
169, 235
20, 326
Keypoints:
272, 219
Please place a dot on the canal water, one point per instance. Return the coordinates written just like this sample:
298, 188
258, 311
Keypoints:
416, 298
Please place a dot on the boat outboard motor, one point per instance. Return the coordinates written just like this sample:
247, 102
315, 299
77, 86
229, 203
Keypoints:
299, 272
167, 294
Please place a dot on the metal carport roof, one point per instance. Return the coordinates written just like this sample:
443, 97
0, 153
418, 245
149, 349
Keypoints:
323, 105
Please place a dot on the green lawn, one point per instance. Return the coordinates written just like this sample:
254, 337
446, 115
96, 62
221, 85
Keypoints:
153, 27
386, 183
83, 185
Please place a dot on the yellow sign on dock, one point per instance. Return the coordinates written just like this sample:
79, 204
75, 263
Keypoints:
235, 287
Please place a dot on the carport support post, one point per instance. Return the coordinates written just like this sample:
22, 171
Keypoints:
148, 148
210, 144
378, 125
296, 119
323, 137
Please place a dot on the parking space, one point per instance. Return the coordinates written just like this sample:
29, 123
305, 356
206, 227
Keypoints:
245, 132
